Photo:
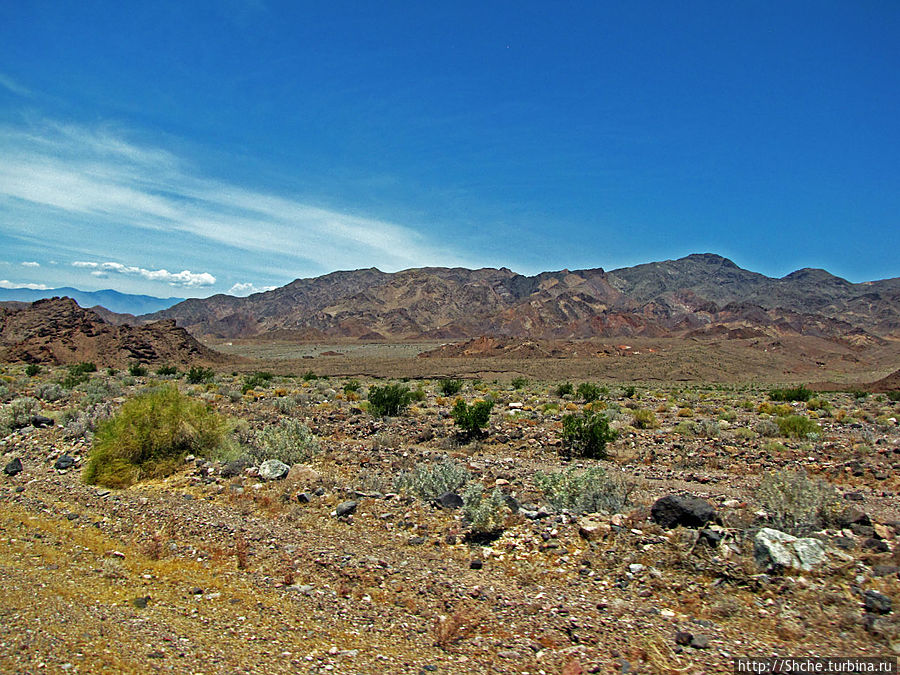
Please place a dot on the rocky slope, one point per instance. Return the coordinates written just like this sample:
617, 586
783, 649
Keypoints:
58, 331
695, 296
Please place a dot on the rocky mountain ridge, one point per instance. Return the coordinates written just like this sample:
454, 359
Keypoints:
701, 294
58, 331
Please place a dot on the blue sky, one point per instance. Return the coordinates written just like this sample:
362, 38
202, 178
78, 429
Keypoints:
189, 148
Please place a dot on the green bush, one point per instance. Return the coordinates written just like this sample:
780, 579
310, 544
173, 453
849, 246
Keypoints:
78, 373
289, 441
485, 513
894, 395
199, 374
389, 400
629, 391
49, 391
472, 419
417, 394
644, 419
351, 386
309, 376
565, 389
32, 369
150, 437
167, 370
800, 393
586, 435
18, 413
519, 382
430, 481
584, 490
450, 387
798, 504
797, 426
256, 380
589, 392
83, 368
137, 369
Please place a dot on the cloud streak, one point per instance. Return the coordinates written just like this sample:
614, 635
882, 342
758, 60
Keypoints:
87, 175
6, 283
184, 279
248, 288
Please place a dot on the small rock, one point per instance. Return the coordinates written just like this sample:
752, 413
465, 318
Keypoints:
450, 500
304, 498
235, 468
700, 642
345, 508
635, 568
302, 473
592, 530
476, 564
775, 550
877, 545
884, 570
687, 511
683, 638
877, 603
273, 469
64, 462
509, 654
13, 467
415, 541
141, 603
41, 422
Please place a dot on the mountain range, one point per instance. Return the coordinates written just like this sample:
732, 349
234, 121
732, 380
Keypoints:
114, 301
695, 296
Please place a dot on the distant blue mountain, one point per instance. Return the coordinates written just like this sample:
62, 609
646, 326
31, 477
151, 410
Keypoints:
121, 303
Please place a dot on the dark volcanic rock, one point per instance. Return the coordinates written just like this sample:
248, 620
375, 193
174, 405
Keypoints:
64, 462
450, 500
687, 511
345, 508
41, 422
877, 603
13, 467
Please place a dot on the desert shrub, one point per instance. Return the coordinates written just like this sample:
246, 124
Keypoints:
290, 441
798, 504
893, 395
565, 389
32, 369
286, 404
644, 419
519, 382
389, 400
255, 381
685, 428
729, 416
744, 434
430, 481
137, 369
818, 404
584, 490
49, 392
797, 426
586, 435
685, 412
588, 392
706, 428
485, 513
167, 370
351, 386
77, 373
18, 412
472, 419
629, 391
98, 390
450, 387
800, 393
766, 428
150, 436
199, 374
309, 376
85, 423
417, 394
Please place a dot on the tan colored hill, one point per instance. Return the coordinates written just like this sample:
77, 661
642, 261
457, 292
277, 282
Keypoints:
58, 331
695, 296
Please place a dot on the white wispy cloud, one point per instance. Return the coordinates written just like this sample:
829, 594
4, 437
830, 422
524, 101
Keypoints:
31, 263
10, 84
100, 177
5, 283
184, 279
248, 288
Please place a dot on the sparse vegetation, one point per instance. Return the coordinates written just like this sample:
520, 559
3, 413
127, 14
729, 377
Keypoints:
199, 375
485, 513
519, 382
644, 419
137, 369
587, 490
797, 503
32, 369
797, 426
430, 481
472, 419
565, 389
588, 392
450, 387
167, 371
256, 381
586, 435
389, 400
150, 436
290, 441
800, 393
